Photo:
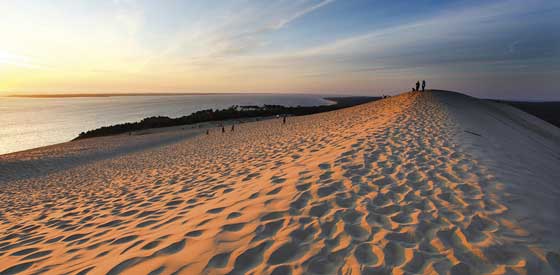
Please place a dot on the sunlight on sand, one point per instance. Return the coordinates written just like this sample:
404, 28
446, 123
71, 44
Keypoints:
382, 187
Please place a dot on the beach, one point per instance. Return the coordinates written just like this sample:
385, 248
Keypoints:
420, 183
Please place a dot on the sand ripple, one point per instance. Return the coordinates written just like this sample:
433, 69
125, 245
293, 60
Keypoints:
374, 189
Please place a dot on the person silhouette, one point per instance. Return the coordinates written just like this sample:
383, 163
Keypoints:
418, 85
423, 85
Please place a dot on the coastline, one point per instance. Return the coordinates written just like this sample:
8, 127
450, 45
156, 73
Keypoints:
70, 95
52, 158
54, 121
234, 112
44, 160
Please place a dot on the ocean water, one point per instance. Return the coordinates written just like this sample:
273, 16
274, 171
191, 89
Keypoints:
27, 123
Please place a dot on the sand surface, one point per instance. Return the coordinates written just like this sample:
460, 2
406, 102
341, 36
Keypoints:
42, 161
430, 183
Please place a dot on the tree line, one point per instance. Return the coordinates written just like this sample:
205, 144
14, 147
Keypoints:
233, 112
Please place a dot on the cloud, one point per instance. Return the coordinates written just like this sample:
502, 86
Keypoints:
467, 39
246, 29
464, 24
473, 35
285, 21
211, 43
250, 39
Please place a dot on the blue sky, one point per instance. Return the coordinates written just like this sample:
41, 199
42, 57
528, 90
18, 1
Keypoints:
500, 49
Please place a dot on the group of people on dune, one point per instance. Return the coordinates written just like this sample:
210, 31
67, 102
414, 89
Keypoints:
233, 125
418, 86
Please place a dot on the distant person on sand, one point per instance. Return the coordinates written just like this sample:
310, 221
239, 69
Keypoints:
223, 129
233, 127
284, 120
423, 85
418, 85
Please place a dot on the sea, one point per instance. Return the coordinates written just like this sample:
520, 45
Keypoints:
27, 123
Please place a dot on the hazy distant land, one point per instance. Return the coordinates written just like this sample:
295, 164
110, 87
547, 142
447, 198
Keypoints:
548, 111
114, 94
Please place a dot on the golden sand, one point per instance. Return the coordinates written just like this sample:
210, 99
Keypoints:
380, 188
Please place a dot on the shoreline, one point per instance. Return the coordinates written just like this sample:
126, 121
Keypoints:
234, 112
39, 129
78, 152
44, 160
71, 95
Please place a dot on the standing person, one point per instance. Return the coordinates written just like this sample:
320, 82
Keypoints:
233, 127
423, 85
223, 129
418, 85
284, 120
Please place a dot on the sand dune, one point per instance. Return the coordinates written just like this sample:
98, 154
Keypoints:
431, 183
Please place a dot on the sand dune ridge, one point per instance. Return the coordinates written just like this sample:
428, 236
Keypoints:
378, 188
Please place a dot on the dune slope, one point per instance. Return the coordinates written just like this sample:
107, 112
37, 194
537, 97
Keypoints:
432, 182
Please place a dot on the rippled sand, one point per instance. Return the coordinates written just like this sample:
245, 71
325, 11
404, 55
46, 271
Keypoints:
417, 183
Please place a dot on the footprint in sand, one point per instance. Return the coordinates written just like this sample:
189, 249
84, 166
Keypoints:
381, 188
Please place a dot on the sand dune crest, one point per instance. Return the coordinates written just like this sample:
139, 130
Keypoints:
374, 189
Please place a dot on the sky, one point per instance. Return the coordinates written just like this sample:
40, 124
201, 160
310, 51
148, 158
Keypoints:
493, 49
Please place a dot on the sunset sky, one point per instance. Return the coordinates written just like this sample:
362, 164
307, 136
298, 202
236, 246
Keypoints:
500, 49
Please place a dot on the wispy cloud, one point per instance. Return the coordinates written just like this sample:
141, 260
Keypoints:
285, 21
289, 44
465, 24
238, 33
468, 35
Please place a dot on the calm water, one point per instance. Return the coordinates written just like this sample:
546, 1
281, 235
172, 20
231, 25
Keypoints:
27, 123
